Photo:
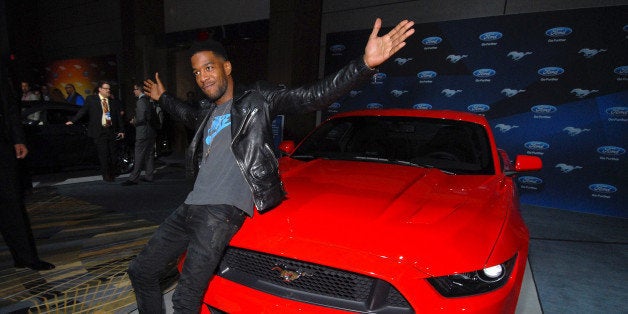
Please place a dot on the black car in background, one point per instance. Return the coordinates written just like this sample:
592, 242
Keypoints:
54, 146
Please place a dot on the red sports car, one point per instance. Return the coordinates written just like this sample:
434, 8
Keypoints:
388, 211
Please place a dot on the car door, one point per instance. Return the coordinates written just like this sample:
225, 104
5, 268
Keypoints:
69, 144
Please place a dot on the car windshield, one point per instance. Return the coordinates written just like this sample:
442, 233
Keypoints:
453, 146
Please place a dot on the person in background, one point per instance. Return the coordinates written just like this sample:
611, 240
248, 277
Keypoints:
144, 139
73, 96
45, 93
232, 159
14, 222
105, 127
57, 96
27, 93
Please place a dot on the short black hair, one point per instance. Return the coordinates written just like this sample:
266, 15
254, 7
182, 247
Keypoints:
208, 45
101, 83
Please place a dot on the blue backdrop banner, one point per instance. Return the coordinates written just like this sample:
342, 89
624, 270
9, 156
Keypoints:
552, 84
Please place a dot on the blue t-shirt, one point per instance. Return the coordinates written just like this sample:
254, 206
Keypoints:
219, 179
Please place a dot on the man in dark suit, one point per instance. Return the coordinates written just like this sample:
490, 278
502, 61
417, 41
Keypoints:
105, 127
144, 138
14, 223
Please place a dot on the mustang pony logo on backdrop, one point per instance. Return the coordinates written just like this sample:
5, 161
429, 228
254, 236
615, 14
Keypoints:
581, 93
402, 61
450, 92
590, 53
455, 58
567, 168
398, 93
505, 127
508, 92
516, 55
573, 131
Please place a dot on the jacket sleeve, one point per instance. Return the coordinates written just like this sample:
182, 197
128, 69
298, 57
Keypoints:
80, 113
179, 110
13, 123
321, 94
141, 112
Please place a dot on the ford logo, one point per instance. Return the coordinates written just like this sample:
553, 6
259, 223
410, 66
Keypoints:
334, 106
490, 36
530, 180
625, 28
477, 108
617, 111
544, 109
536, 145
622, 70
422, 106
378, 77
337, 48
484, 73
426, 75
374, 105
431, 41
551, 71
558, 32
611, 150
602, 188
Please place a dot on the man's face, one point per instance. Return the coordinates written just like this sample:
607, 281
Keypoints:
69, 89
105, 90
211, 73
137, 91
25, 87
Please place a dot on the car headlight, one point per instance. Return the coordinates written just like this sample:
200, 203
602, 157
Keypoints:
475, 282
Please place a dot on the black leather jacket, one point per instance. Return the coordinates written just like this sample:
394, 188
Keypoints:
252, 113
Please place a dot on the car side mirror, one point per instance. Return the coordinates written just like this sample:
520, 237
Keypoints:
286, 147
526, 163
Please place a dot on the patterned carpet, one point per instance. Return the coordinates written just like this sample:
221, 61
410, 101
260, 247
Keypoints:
91, 247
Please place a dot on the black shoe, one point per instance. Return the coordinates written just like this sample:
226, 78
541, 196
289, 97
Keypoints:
36, 265
128, 182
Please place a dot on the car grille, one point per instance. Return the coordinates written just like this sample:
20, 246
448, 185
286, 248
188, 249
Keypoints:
311, 283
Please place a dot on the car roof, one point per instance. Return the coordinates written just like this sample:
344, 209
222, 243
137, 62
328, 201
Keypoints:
48, 105
424, 113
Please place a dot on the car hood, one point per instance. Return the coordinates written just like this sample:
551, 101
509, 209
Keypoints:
368, 215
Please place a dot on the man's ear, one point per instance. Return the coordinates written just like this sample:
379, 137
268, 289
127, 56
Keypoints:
227, 67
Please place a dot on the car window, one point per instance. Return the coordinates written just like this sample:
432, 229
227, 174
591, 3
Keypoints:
454, 146
35, 117
59, 116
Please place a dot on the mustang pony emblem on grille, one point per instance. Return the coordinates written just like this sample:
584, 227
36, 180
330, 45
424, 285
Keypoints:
289, 275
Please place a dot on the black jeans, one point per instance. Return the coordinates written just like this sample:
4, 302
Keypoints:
205, 232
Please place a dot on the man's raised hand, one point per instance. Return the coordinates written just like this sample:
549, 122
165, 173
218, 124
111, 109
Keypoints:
380, 49
154, 89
